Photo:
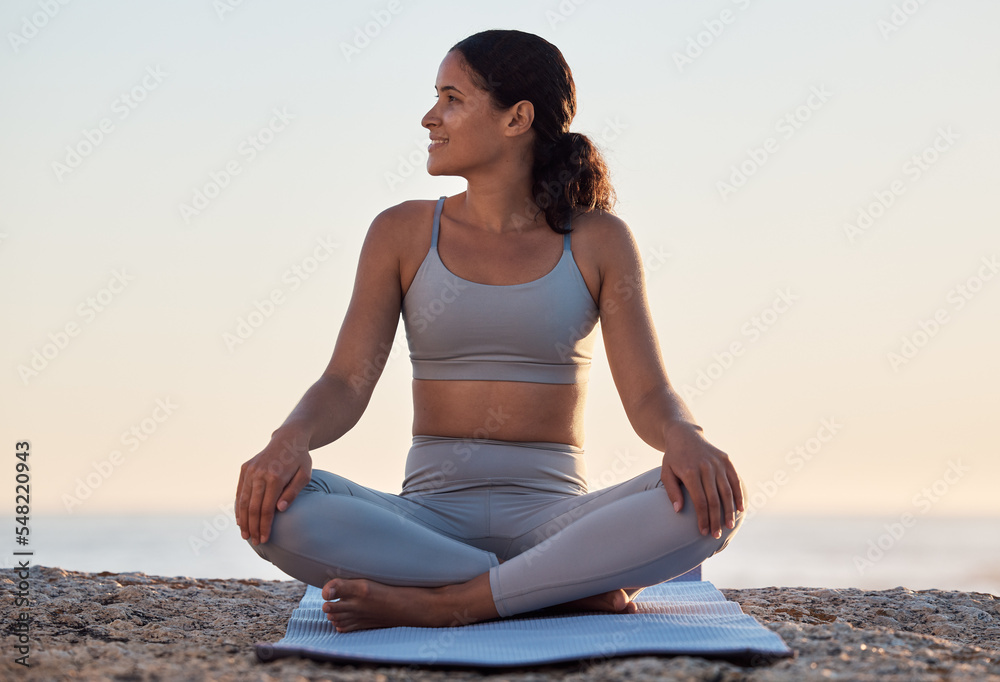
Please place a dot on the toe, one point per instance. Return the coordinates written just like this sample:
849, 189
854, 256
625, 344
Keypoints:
345, 624
331, 588
618, 601
351, 589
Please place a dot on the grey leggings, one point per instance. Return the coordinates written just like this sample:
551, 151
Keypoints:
466, 503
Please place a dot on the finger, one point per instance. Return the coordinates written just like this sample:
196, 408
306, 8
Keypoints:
728, 504
696, 489
253, 513
737, 485
712, 502
673, 488
267, 509
294, 487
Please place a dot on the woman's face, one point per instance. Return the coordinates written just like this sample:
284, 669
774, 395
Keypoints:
463, 119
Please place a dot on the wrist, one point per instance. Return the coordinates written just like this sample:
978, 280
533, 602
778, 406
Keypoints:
292, 436
672, 428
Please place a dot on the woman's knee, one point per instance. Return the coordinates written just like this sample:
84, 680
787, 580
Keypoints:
328, 482
293, 522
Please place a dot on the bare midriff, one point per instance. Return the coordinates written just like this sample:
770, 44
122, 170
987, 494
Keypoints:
500, 410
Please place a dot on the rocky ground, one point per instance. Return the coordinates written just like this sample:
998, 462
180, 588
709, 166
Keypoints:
133, 626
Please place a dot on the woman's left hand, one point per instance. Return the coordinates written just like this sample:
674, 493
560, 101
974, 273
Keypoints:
706, 473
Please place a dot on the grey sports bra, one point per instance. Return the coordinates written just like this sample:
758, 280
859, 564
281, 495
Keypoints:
539, 331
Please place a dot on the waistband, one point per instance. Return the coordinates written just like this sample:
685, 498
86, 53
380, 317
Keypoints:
448, 464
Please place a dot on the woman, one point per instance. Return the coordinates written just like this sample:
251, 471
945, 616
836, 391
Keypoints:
500, 289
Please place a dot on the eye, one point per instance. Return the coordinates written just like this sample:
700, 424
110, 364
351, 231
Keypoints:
450, 97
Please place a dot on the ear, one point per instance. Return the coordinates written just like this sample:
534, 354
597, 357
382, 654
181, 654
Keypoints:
519, 118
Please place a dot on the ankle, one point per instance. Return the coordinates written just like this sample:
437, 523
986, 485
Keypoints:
466, 603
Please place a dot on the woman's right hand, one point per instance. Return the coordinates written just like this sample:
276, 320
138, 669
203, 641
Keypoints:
271, 480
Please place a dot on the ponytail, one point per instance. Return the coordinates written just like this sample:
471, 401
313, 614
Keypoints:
570, 175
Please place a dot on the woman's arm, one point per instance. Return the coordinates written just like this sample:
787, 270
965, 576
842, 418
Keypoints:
655, 410
336, 401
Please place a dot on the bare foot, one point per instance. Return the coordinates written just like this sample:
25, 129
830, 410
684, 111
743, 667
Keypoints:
365, 604
615, 601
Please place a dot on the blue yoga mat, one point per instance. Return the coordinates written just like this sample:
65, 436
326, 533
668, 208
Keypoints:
674, 618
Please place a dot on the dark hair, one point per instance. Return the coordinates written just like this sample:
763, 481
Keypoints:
568, 171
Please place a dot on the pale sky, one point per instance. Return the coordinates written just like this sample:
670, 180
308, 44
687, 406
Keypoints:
809, 184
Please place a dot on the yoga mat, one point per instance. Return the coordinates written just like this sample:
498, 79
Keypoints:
674, 618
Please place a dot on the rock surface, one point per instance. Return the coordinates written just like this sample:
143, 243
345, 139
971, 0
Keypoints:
133, 626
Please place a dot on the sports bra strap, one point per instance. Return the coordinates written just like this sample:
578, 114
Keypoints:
437, 222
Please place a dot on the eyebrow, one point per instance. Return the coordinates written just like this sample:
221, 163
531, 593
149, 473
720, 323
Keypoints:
449, 87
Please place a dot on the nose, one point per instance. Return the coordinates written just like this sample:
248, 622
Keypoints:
430, 119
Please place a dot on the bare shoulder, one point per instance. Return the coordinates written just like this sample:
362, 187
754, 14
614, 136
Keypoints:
399, 231
401, 221
399, 238
603, 242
